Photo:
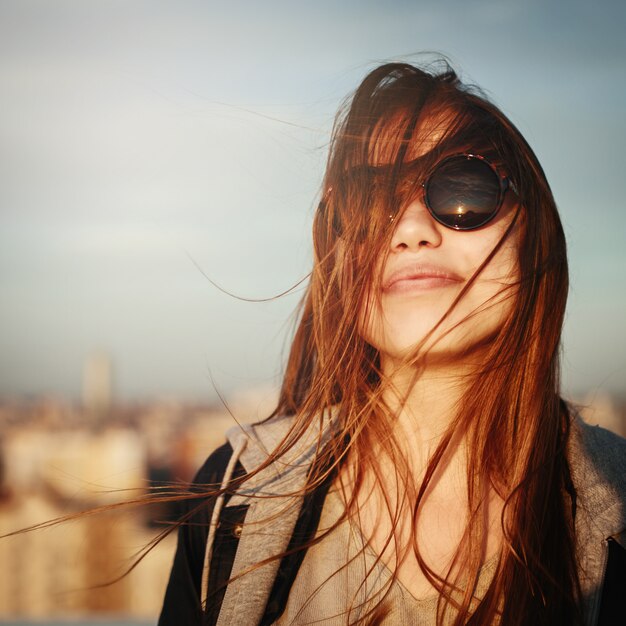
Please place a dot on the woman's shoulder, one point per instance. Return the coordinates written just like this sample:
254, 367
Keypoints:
290, 441
266, 434
214, 467
597, 462
597, 455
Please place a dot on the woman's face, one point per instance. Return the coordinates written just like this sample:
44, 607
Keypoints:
426, 268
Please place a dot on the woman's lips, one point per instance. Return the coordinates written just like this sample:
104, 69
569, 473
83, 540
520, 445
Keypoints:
418, 278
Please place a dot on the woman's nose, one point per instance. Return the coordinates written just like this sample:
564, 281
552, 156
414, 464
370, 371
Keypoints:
415, 228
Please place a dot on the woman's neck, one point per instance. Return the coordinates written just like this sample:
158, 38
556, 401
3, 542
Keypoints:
426, 401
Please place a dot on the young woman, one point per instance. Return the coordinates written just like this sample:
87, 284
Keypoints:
421, 466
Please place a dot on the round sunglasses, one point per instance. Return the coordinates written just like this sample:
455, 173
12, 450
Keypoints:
465, 191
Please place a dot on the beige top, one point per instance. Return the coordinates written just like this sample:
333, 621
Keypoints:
340, 579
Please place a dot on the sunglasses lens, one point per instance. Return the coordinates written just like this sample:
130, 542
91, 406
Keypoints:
463, 192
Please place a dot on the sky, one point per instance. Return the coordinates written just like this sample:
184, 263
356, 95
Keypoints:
147, 145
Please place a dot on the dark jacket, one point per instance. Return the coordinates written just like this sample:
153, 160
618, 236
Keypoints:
598, 465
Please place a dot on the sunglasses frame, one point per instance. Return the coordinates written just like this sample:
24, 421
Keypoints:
503, 181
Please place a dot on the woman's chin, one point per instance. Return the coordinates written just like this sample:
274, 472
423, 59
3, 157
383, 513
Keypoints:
452, 348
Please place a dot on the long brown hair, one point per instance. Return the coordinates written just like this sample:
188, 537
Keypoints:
516, 423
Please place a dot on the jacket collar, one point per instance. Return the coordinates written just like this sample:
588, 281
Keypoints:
597, 460
274, 500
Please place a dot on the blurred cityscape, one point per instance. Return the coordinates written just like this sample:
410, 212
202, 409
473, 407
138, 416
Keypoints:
59, 457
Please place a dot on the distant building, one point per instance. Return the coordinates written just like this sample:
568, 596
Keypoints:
98, 384
58, 571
